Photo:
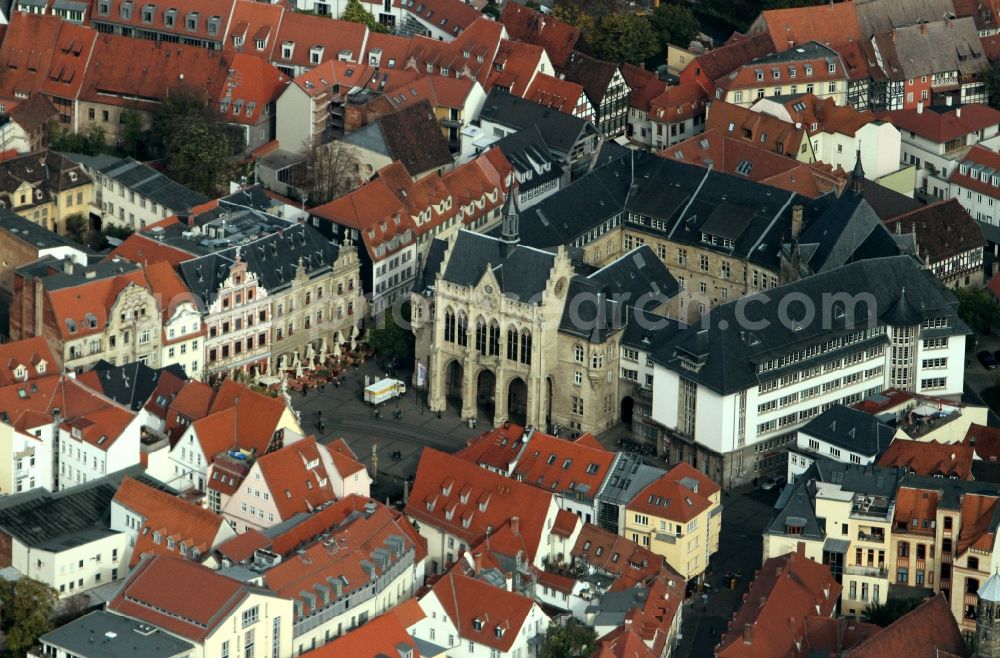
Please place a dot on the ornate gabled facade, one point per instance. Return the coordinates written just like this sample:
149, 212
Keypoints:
527, 335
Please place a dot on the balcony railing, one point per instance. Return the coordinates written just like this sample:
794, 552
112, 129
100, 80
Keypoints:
871, 572
878, 538
945, 557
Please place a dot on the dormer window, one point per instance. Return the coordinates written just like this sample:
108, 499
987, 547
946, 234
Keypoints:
809, 69
316, 54
213, 24
104, 7
170, 18
477, 624
287, 49
444, 70
499, 631
126, 11
148, 12
430, 67
191, 22
260, 43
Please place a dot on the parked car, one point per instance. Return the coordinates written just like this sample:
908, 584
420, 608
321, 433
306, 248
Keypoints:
772, 483
987, 359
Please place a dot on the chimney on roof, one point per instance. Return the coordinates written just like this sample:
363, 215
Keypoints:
947, 100
797, 211
958, 113
477, 563
515, 526
747, 633
801, 548
68, 265
920, 107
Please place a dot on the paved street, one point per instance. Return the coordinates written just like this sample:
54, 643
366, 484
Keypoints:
345, 414
745, 514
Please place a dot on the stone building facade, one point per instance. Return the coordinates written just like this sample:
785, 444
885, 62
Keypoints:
523, 335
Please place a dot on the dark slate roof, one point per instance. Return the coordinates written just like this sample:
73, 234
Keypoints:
723, 357
522, 272
847, 231
674, 200
797, 505
560, 130
33, 234
638, 281
64, 519
53, 276
850, 429
153, 185
887, 203
105, 635
600, 302
527, 152
132, 384
411, 135
593, 74
274, 259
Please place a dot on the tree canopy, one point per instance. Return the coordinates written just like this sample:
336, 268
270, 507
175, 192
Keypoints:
674, 24
991, 78
626, 37
574, 639
978, 309
188, 133
391, 338
27, 607
883, 614
355, 12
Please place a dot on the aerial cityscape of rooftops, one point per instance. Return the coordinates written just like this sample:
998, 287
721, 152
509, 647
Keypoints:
499, 328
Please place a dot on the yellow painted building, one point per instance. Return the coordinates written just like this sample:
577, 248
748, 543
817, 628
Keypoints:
45, 188
679, 517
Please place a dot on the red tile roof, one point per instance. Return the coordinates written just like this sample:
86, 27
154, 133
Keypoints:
169, 518
723, 60
383, 636
991, 47
514, 66
623, 642
305, 31
441, 92
645, 86
466, 599
256, 20
296, 477
221, 9
977, 513
141, 249
252, 84
929, 631
833, 25
985, 440
43, 53
678, 103
101, 427
761, 130
29, 405
167, 287
977, 155
239, 417
930, 458
785, 591
681, 494
466, 501
564, 524
553, 92
451, 16
598, 548
31, 354
940, 125
919, 504
242, 547
179, 596
353, 561
497, 448
557, 38
89, 303
560, 465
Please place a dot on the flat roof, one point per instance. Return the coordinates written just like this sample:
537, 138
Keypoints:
105, 635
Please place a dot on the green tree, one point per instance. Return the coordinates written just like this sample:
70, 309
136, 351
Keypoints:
133, 134
76, 226
391, 338
992, 80
883, 614
626, 37
355, 12
574, 639
197, 155
92, 141
978, 309
27, 607
675, 24
568, 12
